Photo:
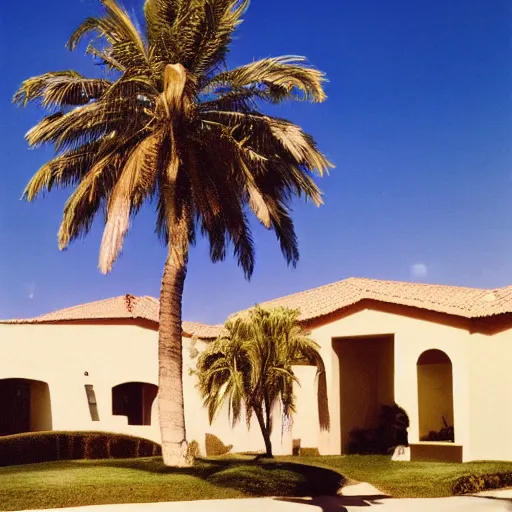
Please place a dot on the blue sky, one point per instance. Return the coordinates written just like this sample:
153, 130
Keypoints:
418, 122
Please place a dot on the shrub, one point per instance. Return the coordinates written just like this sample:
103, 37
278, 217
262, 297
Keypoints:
37, 447
445, 434
390, 432
193, 450
215, 447
309, 452
471, 484
362, 441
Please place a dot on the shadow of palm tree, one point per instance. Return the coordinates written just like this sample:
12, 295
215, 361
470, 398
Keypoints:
499, 498
337, 503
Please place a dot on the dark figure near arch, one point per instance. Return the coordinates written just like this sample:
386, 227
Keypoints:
401, 426
394, 423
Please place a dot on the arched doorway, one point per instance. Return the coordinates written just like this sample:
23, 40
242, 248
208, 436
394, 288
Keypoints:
435, 396
25, 406
134, 400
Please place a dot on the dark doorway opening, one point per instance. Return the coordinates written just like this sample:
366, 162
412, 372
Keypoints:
24, 406
366, 375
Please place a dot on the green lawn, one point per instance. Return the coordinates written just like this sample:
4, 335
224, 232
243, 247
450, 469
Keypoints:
404, 479
92, 482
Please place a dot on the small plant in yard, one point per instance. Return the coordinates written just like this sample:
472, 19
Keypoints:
214, 446
389, 433
446, 434
471, 484
250, 368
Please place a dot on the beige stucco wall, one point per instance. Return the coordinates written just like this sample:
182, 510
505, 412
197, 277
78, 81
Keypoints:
305, 420
412, 336
490, 374
60, 355
111, 354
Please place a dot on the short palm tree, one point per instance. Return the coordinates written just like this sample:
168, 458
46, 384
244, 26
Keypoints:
169, 122
250, 368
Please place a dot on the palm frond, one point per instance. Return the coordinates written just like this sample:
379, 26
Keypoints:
105, 59
126, 45
264, 131
135, 183
88, 123
64, 170
288, 74
160, 17
83, 204
60, 88
218, 193
243, 99
221, 18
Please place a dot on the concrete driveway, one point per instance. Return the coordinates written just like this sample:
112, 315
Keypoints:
321, 504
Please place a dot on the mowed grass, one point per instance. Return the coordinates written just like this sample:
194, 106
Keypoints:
404, 479
95, 482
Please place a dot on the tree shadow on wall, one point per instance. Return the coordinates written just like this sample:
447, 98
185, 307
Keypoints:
323, 402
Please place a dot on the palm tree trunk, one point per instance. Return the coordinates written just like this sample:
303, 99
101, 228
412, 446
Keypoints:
170, 362
265, 432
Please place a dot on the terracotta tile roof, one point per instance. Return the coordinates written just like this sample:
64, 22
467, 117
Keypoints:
453, 300
314, 303
125, 306
202, 331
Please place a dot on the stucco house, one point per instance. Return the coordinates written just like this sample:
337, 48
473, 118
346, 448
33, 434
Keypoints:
437, 351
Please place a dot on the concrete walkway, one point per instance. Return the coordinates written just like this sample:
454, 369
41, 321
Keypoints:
497, 493
321, 504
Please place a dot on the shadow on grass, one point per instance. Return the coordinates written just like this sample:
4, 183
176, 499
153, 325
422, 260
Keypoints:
261, 477
337, 503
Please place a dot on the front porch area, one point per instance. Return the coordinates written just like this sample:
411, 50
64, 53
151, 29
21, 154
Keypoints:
364, 367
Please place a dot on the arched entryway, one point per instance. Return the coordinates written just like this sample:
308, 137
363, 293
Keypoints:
134, 400
25, 406
435, 396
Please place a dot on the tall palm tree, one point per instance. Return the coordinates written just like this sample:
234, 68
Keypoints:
250, 368
170, 123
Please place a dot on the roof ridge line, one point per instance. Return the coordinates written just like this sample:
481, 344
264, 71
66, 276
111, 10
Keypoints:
346, 280
70, 308
414, 283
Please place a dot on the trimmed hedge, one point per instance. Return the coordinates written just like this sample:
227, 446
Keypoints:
34, 447
471, 484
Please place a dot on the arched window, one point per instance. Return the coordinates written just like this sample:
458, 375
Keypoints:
25, 406
435, 396
134, 400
